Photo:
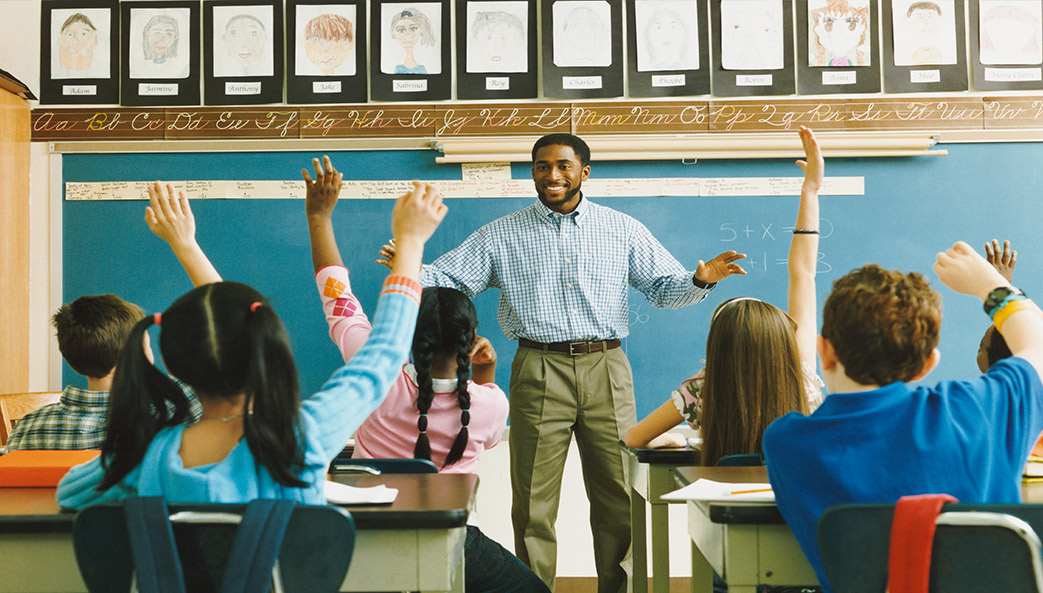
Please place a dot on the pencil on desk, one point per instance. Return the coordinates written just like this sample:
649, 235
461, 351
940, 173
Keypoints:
750, 491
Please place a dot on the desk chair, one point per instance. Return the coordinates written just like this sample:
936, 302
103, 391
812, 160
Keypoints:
15, 406
740, 459
382, 466
314, 555
977, 547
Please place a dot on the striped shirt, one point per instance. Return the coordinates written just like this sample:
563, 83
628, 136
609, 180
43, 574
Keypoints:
564, 277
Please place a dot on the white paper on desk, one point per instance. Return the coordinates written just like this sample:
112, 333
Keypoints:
711, 491
337, 493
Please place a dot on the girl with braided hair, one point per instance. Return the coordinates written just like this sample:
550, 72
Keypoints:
443, 406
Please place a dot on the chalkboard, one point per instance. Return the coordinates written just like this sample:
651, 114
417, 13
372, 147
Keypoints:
913, 208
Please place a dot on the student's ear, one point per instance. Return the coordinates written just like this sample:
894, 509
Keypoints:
826, 353
928, 366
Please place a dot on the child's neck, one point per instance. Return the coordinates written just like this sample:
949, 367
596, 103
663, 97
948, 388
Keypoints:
100, 383
443, 366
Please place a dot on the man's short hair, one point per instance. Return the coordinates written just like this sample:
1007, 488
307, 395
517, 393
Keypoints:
923, 6
882, 324
578, 146
92, 330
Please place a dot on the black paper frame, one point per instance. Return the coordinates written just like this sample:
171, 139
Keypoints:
187, 88
695, 82
811, 79
476, 85
611, 76
726, 82
52, 90
980, 70
306, 88
382, 86
215, 88
951, 77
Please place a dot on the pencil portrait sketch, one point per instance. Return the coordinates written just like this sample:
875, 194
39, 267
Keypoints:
581, 33
924, 32
838, 33
242, 43
667, 35
410, 41
751, 35
159, 46
80, 43
325, 40
497, 37
1011, 32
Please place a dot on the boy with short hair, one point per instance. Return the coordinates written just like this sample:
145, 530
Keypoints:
876, 438
91, 331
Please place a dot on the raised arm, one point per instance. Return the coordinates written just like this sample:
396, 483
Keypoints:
483, 361
319, 202
966, 272
170, 218
1003, 260
803, 250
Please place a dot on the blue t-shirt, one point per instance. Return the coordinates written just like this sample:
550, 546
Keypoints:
970, 439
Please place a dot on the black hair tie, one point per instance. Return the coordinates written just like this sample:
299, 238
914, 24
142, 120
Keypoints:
422, 423
465, 417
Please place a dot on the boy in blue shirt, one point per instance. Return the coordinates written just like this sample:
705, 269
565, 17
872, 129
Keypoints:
876, 438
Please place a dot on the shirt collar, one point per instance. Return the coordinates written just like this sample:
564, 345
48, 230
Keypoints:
74, 396
546, 213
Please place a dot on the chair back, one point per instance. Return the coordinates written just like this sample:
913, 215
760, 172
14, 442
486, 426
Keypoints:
740, 459
977, 547
314, 556
15, 406
382, 466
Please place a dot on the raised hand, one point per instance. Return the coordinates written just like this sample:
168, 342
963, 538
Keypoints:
416, 216
482, 351
387, 254
963, 270
719, 267
169, 216
322, 193
814, 165
1003, 261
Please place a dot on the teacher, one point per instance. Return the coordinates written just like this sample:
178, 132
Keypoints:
563, 265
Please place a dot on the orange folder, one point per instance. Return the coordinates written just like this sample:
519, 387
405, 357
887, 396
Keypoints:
39, 468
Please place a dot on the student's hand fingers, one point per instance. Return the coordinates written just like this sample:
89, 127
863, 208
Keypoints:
329, 165
482, 351
803, 166
991, 249
319, 173
307, 178
1005, 258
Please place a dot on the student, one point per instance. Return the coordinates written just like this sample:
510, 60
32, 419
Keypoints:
433, 411
255, 437
565, 266
91, 330
876, 438
761, 360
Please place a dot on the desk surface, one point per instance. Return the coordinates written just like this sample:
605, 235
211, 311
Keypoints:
435, 501
663, 456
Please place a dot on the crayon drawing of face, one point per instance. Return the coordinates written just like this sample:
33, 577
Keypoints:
497, 43
1010, 33
159, 39
840, 34
329, 40
581, 36
667, 37
751, 35
245, 40
76, 43
410, 28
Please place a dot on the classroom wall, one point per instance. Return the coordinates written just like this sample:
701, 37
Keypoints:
19, 55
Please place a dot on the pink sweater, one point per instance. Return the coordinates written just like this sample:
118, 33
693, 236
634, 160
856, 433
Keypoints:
391, 430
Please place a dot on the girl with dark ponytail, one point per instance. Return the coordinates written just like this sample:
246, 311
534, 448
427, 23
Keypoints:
255, 437
444, 406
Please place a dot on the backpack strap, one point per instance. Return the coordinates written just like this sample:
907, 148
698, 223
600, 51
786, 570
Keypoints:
912, 537
256, 546
156, 562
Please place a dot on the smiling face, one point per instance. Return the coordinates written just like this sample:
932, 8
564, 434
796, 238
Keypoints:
558, 176
406, 32
244, 40
76, 45
327, 54
161, 41
666, 37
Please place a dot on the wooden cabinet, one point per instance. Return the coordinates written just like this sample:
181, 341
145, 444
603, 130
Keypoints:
14, 243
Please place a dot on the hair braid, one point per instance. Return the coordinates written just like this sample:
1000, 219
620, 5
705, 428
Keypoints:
463, 398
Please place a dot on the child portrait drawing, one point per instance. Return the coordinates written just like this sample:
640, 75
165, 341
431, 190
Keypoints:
325, 40
410, 44
667, 35
80, 43
581, 34
162, 52
924, 32
751, 35
497, 37
242, 44
838, 33
1010, 32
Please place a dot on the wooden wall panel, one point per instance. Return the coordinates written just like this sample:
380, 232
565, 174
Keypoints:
14, 243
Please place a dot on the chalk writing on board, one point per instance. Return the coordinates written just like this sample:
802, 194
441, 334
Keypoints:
764, 250
634, 315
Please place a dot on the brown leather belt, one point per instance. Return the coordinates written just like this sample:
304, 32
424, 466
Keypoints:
572, 348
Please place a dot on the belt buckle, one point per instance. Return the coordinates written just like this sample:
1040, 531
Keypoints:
574, 352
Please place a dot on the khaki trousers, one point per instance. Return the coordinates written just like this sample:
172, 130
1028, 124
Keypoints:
554, 396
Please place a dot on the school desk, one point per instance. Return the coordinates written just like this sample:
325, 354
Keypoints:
750, 544
413, 544
651, 476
